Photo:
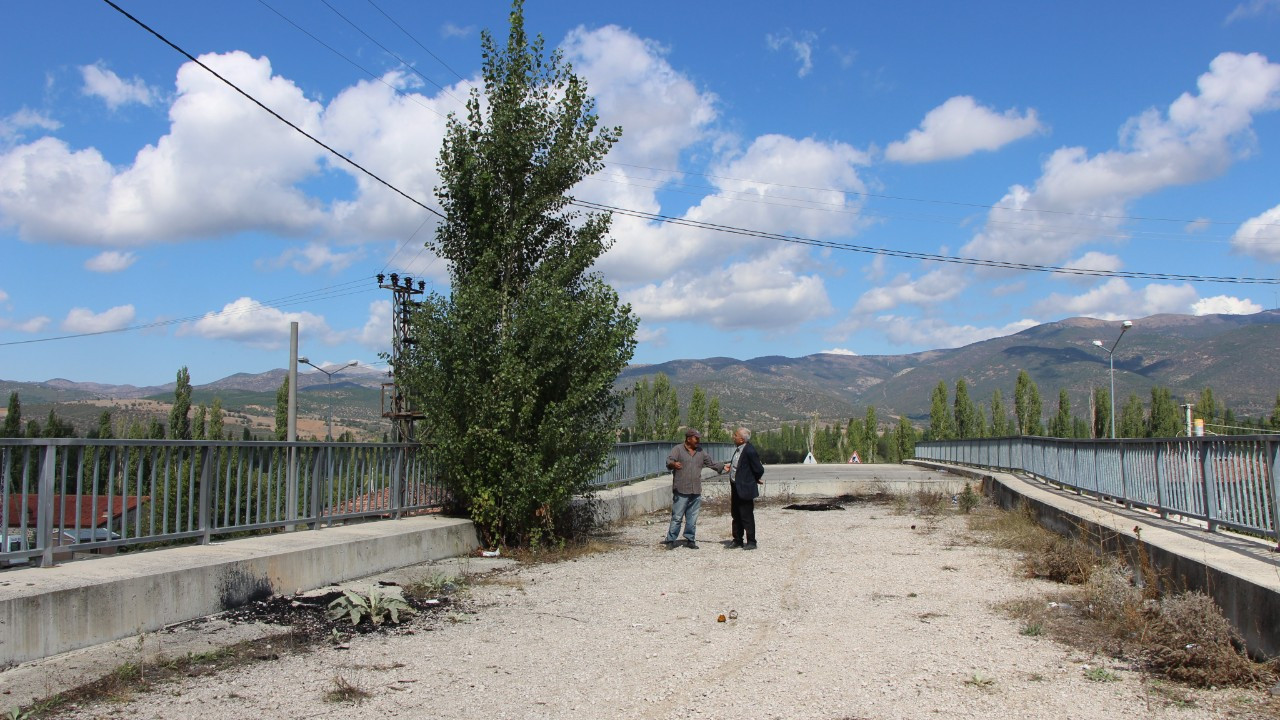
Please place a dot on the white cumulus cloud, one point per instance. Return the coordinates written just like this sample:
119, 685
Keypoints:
1259, 237
766, 292
1080, 198
837, 351
960, 127
110, 261
933, 332
114, 91
1225, 305
1117, 300
84, 320
376, 333
247, 321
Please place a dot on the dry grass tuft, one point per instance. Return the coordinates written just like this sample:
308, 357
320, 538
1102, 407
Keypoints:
1183, 637
1192, 642
345, 690
567, 551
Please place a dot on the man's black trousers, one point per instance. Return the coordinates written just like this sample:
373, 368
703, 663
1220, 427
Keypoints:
744, 516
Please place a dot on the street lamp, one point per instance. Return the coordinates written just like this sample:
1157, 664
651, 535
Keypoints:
329, 382
1111, 360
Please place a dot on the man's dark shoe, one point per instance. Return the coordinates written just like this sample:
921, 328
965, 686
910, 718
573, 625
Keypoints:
691, 544
750, 546
735, 544
669, 544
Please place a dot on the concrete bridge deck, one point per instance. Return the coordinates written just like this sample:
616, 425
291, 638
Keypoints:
67, 602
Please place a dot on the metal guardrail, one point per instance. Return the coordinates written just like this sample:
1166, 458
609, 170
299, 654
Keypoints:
639, 460
1230, 482
66, 496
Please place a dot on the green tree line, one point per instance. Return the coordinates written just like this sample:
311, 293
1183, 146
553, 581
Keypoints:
1160, 416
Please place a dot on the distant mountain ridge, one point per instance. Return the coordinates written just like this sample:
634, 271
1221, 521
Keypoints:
1237, 355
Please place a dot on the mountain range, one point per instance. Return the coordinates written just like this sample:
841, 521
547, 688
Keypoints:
1238, 356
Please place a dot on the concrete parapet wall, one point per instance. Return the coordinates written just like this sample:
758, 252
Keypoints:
44, 611
1242, 576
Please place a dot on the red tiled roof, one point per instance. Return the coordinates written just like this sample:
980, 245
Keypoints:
72, 510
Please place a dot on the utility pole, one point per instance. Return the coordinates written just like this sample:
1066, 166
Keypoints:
398, 407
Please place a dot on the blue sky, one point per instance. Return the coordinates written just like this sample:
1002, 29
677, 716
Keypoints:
139, 195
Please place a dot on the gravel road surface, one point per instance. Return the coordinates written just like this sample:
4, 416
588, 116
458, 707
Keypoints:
839, 614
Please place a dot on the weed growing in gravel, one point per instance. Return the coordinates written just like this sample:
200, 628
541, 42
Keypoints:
1101, 674
345, 690
980, 681
968, 499
433, 586
1033, 629
930, 501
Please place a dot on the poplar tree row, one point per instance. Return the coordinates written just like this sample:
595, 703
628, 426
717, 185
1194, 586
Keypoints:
657, 413
1161, 417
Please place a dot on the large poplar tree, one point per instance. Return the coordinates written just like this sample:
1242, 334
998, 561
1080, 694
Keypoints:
514, 369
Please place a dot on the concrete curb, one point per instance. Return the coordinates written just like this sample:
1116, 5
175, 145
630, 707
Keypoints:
45, 611
1241, 575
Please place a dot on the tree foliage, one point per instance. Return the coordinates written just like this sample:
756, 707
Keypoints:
999, 416
939, 416
697, 418
1163, 421
1101, 413
514, 368
1061, 426
1026, 405
13, 417
282, 411
715, 426
179, 422
968, 421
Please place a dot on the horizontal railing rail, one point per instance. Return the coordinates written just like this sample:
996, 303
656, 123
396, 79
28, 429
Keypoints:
65, 496
639, 460
1226, 482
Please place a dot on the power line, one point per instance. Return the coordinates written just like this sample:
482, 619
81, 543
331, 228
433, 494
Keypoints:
912, 255
862, 211
327, 293
355, 64
390, 52
273, 113
954, 203
424, 47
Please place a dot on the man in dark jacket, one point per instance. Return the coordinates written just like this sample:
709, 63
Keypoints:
745, 471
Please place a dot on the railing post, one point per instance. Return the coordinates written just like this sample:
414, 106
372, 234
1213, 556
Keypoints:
1162, 477
1124, 479
206, 479
291, 484
1273, 452
316, 483
44, 504
398, 481
1210, 492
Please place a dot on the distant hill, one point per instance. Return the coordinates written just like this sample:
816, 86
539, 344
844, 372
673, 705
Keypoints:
1237, 355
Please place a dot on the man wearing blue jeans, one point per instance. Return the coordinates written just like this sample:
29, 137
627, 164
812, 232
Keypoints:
685, 463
